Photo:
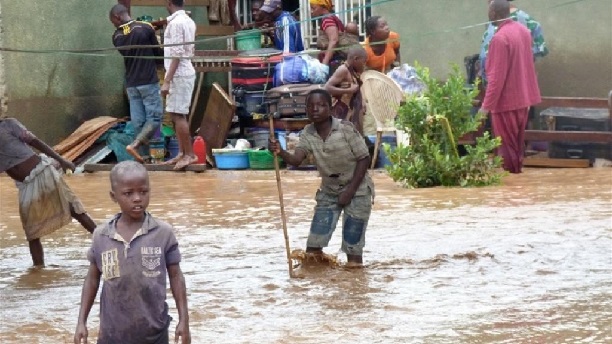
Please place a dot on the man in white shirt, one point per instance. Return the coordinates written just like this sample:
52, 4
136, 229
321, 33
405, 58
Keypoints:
180, 78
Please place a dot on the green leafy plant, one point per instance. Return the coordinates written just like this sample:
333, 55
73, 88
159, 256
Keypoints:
436, 120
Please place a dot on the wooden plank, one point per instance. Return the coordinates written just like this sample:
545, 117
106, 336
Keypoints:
569, 136
150, 167
214, 30
217, 118
164, 2
84, 131
562, 163
79, 149
573, 102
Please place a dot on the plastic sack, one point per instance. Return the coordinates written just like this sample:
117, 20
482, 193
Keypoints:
318, 73
407, 79
292, 70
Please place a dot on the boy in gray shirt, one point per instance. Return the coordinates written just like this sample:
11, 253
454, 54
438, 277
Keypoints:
342, 159
133, 252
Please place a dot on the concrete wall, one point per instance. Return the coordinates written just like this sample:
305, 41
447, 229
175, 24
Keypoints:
579, 35
2, 72
52, 94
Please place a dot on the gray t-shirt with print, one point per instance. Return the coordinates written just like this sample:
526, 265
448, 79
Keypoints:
133, 306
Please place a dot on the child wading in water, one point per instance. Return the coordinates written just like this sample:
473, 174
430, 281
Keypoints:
342, 159
46, 203
133, 252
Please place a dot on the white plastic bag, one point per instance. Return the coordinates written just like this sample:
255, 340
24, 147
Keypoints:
407, 79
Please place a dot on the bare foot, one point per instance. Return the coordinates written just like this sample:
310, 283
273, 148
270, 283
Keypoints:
173, 160
185, 161
134, 152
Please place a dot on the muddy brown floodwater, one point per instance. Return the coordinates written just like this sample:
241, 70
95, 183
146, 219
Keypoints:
529, 261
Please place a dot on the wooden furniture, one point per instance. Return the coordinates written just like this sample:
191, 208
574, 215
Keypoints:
217, 120
571, 136
550, 134
209, 61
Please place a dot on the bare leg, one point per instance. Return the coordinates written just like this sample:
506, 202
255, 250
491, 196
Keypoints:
36, 251
181, 126
132, 149
84, 219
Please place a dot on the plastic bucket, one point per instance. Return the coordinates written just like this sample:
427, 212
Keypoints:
157, 149
260, 138
382, 159
172, 148
248, 40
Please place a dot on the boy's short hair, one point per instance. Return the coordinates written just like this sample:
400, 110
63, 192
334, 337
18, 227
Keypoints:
118, 10
125, 167
178, 3
322, 92
357, 50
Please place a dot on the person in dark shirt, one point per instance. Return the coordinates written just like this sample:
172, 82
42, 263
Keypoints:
140, 77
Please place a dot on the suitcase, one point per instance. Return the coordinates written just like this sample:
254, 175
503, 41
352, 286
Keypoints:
254, 73
290, 100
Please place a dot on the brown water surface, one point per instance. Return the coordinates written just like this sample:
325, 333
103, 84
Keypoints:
529, 261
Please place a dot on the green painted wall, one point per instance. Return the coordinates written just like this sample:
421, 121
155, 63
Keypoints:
52, 94
579, 35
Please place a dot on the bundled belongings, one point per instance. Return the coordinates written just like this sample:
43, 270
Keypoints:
292, 70
251, 77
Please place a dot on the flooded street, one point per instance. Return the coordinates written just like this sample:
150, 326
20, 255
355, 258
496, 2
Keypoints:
528, 261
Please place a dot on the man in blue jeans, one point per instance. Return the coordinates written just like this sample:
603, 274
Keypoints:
140, 77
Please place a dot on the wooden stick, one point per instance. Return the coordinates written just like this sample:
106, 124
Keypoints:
280, 198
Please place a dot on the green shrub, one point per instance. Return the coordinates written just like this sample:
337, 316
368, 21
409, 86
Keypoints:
436, 120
